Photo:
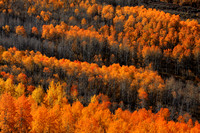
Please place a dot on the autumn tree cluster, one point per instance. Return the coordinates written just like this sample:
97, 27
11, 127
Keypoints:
105, 34
30, 73
24, 114
33, 106
55, 53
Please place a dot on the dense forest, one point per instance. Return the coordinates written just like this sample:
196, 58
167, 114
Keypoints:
44, 94
97, 66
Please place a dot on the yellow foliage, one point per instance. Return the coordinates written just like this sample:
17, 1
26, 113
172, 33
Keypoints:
19, 90
38, 94
9, 86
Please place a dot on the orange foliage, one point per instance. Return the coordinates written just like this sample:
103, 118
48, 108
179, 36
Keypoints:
35, 31
23, 115
31, 10
20, 30
19, 115
74, 91
108, 12
6, 28
46, 70
22, 78
151, 32
45, 15
142, 94
30, 88
7, 113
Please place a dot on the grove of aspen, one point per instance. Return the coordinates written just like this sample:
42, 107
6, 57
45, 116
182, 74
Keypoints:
98, 66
